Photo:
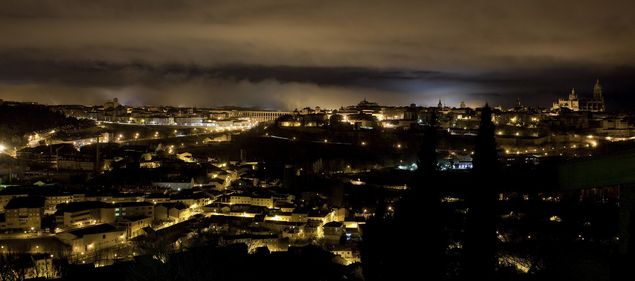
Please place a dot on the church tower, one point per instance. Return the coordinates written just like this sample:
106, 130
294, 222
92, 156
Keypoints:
597, 91
596, 104
572, 95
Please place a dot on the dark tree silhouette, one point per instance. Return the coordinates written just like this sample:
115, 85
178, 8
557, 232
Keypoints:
335, 119
480, 233
428, 153
485, 157
412, 244
421, 214
375, 247
13, 266
18, 120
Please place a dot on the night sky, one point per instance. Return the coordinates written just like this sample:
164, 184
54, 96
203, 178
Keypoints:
290, 54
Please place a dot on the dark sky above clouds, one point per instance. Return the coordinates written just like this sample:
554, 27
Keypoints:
287, 54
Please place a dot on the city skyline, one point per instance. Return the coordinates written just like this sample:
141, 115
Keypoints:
508, 104
357, 140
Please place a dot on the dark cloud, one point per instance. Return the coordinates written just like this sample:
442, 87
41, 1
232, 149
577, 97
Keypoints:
295, 53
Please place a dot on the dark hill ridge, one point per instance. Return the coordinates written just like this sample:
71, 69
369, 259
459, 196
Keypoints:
18, 119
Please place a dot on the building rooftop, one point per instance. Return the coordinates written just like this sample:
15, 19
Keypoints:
333, 224
13, 191
177, 205
184, 196
133, 204
133, 218
80, 206
157, 195
101, 228
25, 202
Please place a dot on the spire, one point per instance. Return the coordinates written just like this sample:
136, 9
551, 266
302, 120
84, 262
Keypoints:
572, 95
439, 105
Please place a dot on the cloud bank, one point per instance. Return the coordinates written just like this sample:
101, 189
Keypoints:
287, 54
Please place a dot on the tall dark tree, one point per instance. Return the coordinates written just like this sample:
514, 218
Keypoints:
335, 119
412, 244
376, 248
425, 207
427, 164
485, 154
480, 233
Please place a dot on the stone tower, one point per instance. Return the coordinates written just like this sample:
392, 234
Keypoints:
597, 91
572, 95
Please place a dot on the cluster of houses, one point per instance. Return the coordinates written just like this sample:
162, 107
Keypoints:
161, 166
23, 212
113, 111
92, 222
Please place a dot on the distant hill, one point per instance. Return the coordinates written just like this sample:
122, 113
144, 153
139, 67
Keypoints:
18, 119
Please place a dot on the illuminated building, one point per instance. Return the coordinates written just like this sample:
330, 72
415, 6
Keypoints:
52, 200
111, 104
23, 213
333, 230
134, 225
264, 201
93, 238
573, 103
172, 212
258, 115
127, 209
